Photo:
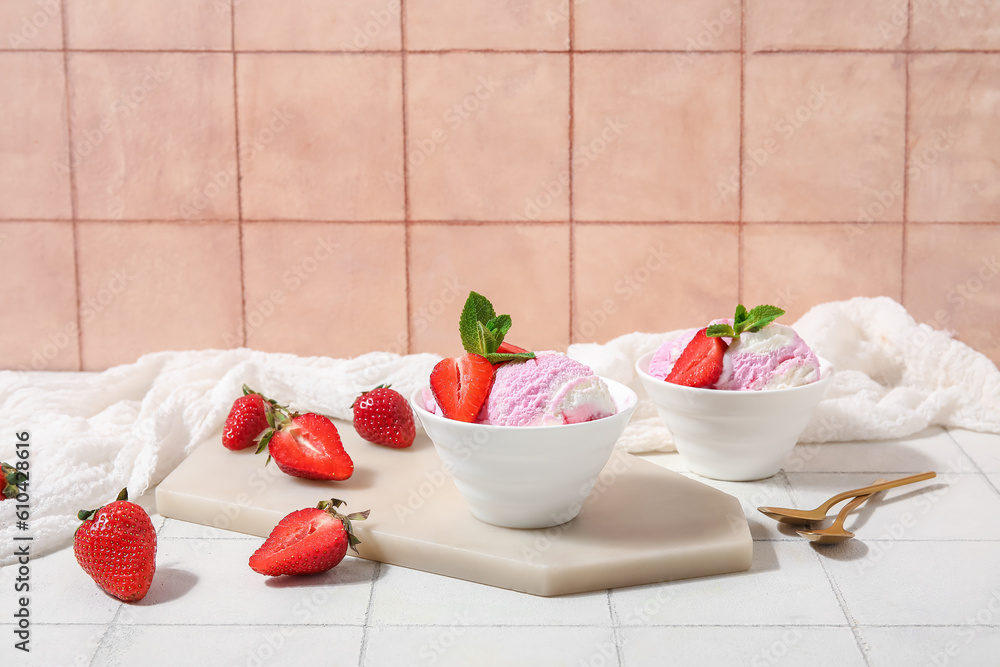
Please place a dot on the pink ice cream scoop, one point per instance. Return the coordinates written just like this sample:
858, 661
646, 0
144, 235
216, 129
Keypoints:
549, 389
773, 358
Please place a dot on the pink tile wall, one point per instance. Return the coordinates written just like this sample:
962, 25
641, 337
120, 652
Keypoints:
329, 178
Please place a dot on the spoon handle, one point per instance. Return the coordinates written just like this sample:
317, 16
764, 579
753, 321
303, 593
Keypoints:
875, 488
838, 523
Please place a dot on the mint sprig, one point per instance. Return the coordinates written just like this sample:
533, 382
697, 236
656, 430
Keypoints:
482, 330
752, 321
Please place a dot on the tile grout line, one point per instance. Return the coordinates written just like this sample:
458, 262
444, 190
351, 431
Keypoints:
572, 128
852, 623
107, 629
906, 157
67, 89
981, 473
239, 174
407, 214
368, 613
616, 630
740, 241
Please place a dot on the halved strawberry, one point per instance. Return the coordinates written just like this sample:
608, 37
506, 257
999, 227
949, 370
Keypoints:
309, 446
461, 385
307, 541
700, 364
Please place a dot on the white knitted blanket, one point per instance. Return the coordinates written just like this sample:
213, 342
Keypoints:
93, 433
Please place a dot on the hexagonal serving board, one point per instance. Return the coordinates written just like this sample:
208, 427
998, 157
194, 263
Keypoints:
641, 524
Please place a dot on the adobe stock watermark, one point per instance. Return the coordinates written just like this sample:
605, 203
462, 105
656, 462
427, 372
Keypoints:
959, 296
584, 155
755, 157
86, 141
546, 538
422, 316
31, 25
921, 504
433, 649
90, 309
986, 616
560, 15
605, 653
625, 289
292, 279
223, 180
453, 118
920, 162
709, 33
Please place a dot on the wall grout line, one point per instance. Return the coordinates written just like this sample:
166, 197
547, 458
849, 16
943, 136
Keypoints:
407, 211
570, 192
529, 223
67, 91
382, 52
239, 175
740, 240
906, 157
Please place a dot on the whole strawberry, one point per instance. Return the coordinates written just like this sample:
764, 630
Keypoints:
247, 420
308, 541
383, 416
10, 478
116, 546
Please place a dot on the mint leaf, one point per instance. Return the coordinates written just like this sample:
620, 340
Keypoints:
485, 340
741, 317
477, 310
499, 325
761, 316
719, 330
498, 357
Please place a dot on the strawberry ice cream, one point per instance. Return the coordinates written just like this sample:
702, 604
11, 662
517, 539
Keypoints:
549, 389
773, 358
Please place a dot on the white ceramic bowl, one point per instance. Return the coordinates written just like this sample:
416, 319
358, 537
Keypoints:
734, 435
526, 476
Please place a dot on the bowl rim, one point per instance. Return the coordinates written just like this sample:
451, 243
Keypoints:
827, 371
623, 411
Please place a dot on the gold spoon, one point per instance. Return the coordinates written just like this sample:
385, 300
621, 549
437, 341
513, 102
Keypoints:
803, 517
836, 532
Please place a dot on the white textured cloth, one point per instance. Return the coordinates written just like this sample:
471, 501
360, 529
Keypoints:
94, 433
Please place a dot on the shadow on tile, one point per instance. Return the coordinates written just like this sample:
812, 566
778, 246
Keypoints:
335, 577
845, 551
169, 584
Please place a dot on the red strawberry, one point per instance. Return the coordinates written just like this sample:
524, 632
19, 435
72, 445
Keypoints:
307, 541
116, 546
700, 364
308, 446
247, 419
461, 385
10, 478
510, 348
384, 417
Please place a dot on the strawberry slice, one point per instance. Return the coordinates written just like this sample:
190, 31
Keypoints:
510, 348
700, 364
309, 446
461, 385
